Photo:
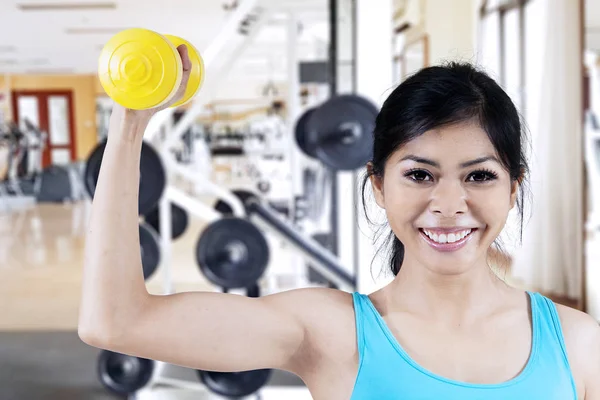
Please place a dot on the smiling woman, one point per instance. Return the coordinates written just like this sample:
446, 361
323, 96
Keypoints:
448, 166
460, 148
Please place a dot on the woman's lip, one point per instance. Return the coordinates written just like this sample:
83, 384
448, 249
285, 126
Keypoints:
447, 247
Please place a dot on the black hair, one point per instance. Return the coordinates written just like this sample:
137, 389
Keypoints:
439, 96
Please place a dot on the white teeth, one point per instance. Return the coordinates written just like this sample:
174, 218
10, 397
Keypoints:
447, 238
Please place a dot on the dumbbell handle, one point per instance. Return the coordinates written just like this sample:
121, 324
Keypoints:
347, 133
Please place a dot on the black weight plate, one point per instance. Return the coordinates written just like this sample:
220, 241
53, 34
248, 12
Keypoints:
225, 209
338, 114
150, 250
232, 253
179, 220
122, 374
235, 384
152, 176
309, 148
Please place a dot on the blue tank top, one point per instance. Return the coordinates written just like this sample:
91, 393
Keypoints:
387, 372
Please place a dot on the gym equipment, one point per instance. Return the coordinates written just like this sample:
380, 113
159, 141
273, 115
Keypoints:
320, 258
325, 240
300, 133
339, 132
225, 209
122, 374
232, 253
235, 384
152, 176
263, 186
141, 69
55, 185
179, 220
22, 183
253, 291
150, 250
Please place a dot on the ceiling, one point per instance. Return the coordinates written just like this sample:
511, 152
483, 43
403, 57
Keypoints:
592, 24
66, 36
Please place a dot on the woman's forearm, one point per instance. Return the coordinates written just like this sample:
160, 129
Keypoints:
113, 283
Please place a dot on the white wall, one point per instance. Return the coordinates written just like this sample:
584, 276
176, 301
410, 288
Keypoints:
451, 29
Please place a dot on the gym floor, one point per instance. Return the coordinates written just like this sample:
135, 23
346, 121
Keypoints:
41, 258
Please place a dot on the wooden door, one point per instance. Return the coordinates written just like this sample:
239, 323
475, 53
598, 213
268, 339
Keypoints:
52, 112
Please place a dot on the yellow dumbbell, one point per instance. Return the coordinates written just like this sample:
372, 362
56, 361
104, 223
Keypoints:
141, 69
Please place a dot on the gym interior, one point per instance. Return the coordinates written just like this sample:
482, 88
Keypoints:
242, 177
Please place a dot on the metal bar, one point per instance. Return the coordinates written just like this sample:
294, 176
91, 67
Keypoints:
333, 89
355, 177
218, 191
191, 205
209, 55
293, 105
197, 107
165, 236
522, 58
321, 259
501, 32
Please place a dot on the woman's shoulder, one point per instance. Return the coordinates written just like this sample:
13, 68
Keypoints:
579, 328
581, 333
327, 316
316, 307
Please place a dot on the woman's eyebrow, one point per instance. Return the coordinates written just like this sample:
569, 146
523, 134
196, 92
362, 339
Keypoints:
466, 164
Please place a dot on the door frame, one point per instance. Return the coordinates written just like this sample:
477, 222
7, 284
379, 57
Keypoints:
42, 96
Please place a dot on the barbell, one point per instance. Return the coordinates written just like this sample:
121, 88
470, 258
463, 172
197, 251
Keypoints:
338, 132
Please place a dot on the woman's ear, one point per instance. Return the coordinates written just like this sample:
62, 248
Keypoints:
376, 184
514, 187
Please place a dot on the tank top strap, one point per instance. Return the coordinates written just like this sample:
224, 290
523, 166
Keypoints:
549, 326
360, 309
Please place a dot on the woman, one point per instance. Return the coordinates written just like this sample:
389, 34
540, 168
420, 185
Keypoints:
448, 166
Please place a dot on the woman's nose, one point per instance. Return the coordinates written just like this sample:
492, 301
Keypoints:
448, 199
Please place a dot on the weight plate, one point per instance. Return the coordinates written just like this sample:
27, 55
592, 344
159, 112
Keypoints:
342, 130
235, 384
225, 209
309, 148
152, 176
150, 250
122, 374
196, 73
140, 69
232, 253
179, 220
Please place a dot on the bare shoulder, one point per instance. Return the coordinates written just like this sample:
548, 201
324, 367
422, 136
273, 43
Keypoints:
579, 328
319, 309
327, 316
582, 340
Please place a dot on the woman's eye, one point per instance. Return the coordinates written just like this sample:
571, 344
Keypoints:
482, 176
420, 176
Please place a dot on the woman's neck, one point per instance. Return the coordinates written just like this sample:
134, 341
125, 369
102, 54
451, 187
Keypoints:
449, 299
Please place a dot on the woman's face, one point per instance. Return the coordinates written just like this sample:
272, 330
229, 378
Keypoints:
446, 197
